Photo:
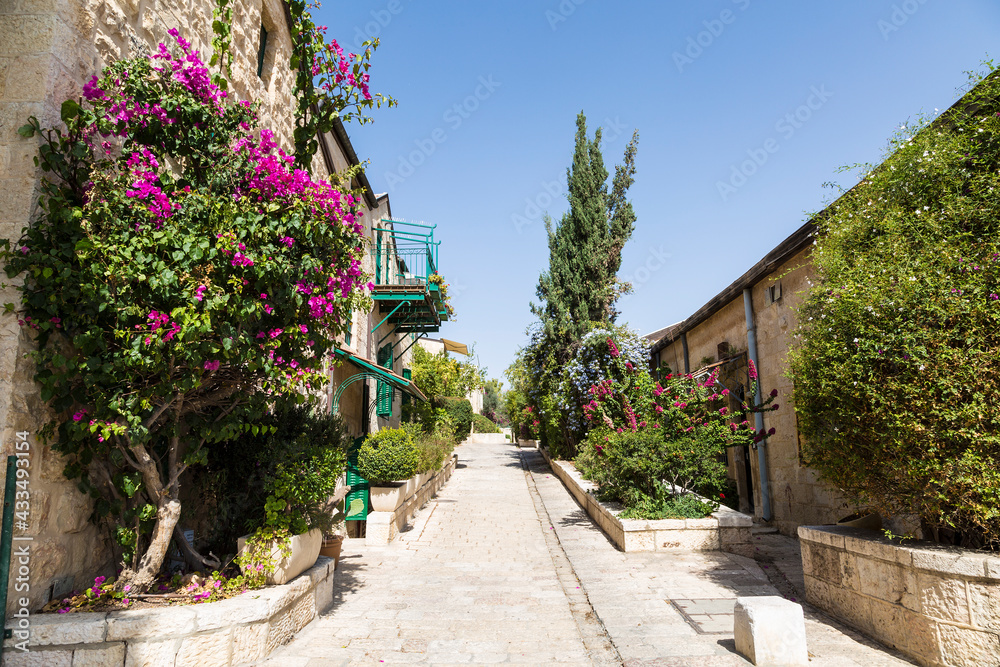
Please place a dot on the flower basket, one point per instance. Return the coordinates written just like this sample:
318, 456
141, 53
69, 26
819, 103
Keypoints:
386, 497
331, 548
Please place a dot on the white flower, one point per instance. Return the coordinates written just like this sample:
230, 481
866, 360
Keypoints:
921, 367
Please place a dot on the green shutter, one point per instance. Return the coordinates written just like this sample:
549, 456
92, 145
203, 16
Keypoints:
358, 484
261, 50
383, 405
408, 374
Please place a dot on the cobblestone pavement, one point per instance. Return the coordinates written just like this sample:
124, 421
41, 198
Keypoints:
504, 567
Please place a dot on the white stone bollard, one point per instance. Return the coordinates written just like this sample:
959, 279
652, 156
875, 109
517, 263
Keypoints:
770, 630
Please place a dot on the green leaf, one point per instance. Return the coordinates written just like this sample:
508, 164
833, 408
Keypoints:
69, 111
26, 131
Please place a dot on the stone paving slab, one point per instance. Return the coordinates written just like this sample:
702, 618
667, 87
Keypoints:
505, 568
471, 583
630, 593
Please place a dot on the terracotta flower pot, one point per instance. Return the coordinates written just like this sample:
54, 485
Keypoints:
331, 548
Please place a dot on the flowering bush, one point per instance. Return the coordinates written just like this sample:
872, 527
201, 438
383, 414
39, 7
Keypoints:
604, 355
898, 357
654, 443
181, 272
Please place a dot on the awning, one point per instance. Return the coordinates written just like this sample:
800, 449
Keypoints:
384, 374
452, 346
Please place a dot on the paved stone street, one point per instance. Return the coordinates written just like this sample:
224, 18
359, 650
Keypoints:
504, 567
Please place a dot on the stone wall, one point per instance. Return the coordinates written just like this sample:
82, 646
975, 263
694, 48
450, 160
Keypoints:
237, 631
940, 605
48, 50
798, 496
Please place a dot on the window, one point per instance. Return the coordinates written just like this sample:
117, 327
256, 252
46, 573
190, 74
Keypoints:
350, 329
261, 50
772, 293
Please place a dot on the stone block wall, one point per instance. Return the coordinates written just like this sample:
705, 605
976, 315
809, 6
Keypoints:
798, 496
48, 50
939, 605
237, 631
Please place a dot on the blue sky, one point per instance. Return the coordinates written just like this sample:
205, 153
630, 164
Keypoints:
489, 91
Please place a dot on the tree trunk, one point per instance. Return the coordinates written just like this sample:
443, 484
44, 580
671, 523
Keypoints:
167, 515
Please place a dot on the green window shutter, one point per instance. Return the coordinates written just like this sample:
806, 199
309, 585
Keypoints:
408, 374
261, 49
350, 328
358, 484
383, 405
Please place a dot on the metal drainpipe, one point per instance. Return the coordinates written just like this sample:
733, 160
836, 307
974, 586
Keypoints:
684, 344
758, 418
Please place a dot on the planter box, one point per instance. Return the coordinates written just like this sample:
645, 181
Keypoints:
305, 551
238, 631
724, 530
939, 605
383, 527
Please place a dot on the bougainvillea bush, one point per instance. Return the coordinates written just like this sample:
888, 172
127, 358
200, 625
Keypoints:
181, 272
897, 367
653, 445
603, 354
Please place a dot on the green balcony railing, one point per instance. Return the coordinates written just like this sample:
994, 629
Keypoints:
405, 255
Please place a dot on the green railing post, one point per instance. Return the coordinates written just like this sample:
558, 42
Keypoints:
7, 539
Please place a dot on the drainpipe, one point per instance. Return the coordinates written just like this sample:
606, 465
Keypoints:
758, 418
684, 344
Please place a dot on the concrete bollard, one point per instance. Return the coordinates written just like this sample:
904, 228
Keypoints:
770, 630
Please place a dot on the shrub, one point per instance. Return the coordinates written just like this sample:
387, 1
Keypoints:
459, 411
484, 424
432, 450
387, 456
651, 444
250, 472
897, 364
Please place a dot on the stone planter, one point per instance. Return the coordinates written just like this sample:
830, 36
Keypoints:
723, 530
305, 551
239, 631
386, 498
939, 605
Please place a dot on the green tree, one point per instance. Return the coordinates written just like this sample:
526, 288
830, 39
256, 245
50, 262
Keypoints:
581, 285
580, 288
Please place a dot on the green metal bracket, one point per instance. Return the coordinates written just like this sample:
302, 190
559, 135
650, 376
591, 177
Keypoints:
393, 312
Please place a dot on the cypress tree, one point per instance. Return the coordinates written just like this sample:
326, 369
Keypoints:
581, 287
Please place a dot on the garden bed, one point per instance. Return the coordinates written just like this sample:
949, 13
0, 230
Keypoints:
937, 604
725, 529
383, 527
236, 631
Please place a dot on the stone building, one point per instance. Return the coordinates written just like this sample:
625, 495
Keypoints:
48, 50
718, 336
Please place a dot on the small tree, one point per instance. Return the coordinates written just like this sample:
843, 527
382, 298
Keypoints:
180, 273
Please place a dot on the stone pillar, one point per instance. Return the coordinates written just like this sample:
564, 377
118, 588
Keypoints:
770, 630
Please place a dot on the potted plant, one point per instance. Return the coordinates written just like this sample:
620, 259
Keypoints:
297, 513
387, 459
